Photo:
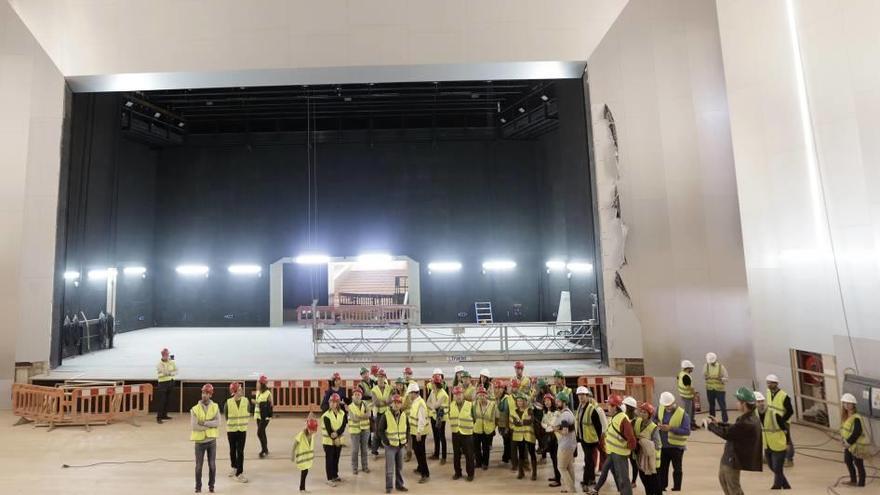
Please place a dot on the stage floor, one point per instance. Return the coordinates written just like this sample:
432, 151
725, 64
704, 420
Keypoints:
224, 353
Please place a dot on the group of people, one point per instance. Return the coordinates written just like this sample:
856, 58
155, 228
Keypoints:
533, 417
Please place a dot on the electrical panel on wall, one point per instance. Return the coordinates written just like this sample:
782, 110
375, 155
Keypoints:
867, 393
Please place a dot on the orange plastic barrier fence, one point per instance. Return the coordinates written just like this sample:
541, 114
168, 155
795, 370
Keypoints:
86, 406
639, 387
297, 395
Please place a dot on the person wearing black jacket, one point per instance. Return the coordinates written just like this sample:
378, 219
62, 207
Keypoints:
335, 388
742, 449
588, 427
334, 421
772, 395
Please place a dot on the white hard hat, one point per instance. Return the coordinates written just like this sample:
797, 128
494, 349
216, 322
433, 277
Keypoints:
583, 390
772, 378
631, 402
849, 399
759, 396
437, 371
686, 364
711, 358
666, 399
413, 387
459, 368
485, 372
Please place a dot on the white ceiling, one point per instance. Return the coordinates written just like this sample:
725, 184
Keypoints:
190, 43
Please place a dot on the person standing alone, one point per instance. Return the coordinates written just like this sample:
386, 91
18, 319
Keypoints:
166, 370
716, 379
262, 402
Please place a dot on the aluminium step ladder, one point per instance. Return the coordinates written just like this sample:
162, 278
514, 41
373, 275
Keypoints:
483, 310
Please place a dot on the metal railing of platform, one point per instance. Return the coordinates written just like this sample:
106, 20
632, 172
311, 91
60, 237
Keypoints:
457, 342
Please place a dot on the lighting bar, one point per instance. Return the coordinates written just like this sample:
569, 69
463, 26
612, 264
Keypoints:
71, 275
245, 269
134, 270
192, 270
554, 265
444, 266
98, 273
312, 259
499, 265
580, 267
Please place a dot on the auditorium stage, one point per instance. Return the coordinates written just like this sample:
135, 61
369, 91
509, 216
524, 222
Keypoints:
243, 353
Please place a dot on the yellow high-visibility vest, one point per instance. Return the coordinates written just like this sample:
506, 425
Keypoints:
524, 432
586, 429
384, 396
862, 447
441, 397
304, 450
713, 377
685, 391
395, 429
774, 436
417, 404
615, 442
168, 369
461, 419
646, 431
237, 414
261, 397
776, 403
674, 422
201, 415
358, 418
485, 423
470, 393
335, 423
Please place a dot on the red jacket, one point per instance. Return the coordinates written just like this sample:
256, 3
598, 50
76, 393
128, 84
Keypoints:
626, 430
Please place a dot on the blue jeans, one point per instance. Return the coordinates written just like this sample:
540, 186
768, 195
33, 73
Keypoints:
776, 461
721, 397
360, 449
393, 467
688, 405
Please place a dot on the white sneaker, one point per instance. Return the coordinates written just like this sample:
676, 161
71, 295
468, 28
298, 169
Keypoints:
331, 483
241, 479
231, 473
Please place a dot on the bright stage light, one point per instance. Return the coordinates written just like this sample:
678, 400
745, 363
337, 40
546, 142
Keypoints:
245, 269
444, 266
99, 273
312, 259
132, 271
498, 265
580, 267
192, 270
554, 265
71, 275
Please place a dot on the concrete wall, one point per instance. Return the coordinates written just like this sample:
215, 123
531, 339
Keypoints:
807, 148
659, 70
32, 99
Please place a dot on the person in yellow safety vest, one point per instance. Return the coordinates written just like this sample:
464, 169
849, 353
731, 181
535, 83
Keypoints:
523, 437
675, 428
780, 403
303, 452
512, 393
485, 413
559, 386
400, 389
519, 373
166, 370
461, 422
485, 381
205, 423
438, 411
620, 441
381, 393
774, 443
588, 429
262, 402
237, 412
715, 375
333, 423
856, 441
408, 375
359, 428
419, 424
686, 391
470, 391
503, 419
648, 452
394, 430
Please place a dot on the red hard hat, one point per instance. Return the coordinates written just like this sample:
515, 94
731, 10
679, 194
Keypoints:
312, 424
457, 390
396, 398
374, 369
337, 376
264, 379
334, 398
514, 383
615, 400
498, 383
519, 365
549, 396
381, 372
357, 390
407, 371
233, 387
647, 407
164, 351
481, 391
208, 388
